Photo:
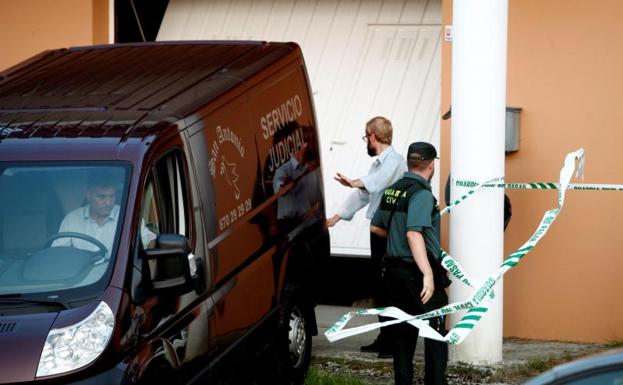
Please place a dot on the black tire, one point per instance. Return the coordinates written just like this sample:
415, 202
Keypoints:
159, 373
294, 339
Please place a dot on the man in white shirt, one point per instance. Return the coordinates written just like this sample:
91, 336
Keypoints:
387, 168
295, 202
98, 218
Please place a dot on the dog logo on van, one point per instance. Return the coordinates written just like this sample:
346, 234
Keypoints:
229, 170
217, 158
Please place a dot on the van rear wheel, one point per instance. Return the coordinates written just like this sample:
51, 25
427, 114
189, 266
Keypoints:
297, 337
294, 340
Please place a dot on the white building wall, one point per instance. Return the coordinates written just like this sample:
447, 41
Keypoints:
364, 57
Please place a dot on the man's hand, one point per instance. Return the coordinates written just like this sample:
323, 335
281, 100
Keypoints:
345, 181
381, 232
285, 181
418, 249
428, 288
333, 220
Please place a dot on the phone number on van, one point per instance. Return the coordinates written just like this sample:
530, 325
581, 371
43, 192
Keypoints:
233, 215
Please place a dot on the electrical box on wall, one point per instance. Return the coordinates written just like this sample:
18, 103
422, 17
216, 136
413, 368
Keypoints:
512, 129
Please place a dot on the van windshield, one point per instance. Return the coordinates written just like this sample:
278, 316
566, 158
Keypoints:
59, 227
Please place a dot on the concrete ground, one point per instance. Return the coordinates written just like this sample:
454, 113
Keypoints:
515, 351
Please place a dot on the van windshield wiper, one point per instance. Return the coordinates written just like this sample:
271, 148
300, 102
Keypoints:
19, 298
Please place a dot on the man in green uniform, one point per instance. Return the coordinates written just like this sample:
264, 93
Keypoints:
414, 279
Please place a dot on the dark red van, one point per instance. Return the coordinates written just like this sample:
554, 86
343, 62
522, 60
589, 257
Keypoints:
161, 215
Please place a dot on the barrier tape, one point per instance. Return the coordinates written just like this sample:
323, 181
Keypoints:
477, 186
545, 186
477, 305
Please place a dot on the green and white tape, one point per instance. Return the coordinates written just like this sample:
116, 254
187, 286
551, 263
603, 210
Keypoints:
478, 304
545, 186
475, 187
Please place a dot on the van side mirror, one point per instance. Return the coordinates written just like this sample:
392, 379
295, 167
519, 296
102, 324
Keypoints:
169, 271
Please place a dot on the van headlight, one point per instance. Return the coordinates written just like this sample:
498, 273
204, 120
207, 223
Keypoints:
75, 346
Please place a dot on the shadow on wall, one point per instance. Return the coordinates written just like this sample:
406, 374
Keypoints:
138, 20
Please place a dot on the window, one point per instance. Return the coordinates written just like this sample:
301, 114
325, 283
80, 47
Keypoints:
612, 377
59, 226
172, 194
150, 219
164, 205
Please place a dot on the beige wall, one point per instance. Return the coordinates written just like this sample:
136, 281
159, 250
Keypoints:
28, 27
564, 70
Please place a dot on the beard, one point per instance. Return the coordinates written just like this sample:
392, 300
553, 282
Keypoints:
431, 175
371, 150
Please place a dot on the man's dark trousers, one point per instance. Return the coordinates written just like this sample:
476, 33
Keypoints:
378, 248
403, 284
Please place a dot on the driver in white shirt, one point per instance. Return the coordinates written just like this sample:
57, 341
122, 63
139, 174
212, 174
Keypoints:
98, 218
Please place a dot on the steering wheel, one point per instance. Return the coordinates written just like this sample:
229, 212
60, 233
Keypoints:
101, 249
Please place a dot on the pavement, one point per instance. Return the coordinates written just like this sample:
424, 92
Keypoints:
515, 351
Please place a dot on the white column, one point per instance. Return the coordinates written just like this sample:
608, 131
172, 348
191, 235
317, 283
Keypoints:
111, 21
478, 114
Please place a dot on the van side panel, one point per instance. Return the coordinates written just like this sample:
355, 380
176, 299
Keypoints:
281, 111
262, 158
225, 157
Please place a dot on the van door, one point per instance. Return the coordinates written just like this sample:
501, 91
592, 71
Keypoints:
281, 113
226, 162
176, 325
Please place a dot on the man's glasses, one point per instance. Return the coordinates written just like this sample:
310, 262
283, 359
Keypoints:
365, 137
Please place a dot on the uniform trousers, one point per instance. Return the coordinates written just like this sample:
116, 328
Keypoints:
378, 248
403, 285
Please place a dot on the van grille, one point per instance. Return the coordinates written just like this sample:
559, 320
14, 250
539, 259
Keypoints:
7, 327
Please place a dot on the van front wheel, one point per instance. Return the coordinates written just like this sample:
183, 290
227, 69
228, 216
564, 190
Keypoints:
295, 340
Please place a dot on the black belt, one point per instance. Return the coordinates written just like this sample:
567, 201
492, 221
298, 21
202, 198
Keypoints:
398, 262
439, 274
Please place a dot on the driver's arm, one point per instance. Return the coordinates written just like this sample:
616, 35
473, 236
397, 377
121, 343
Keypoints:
147, 236
63, 228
